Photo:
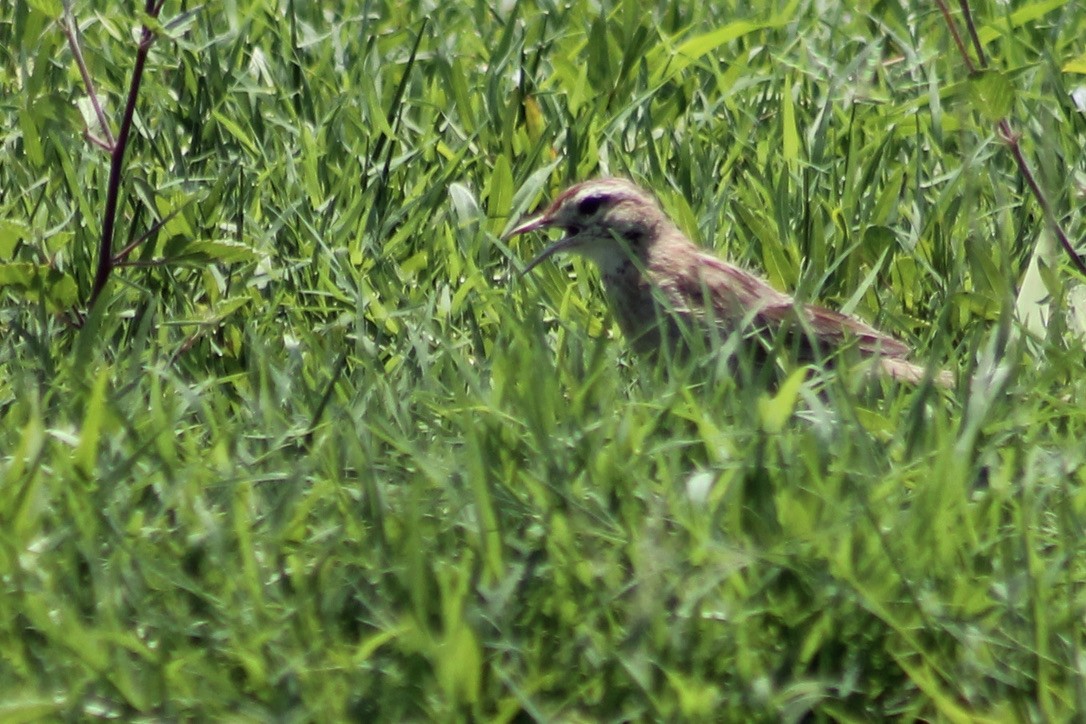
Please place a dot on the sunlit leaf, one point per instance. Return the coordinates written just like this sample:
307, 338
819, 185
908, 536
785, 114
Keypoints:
776, 410
12, 231
992, 94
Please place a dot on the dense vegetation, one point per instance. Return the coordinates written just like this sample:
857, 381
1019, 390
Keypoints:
317, 452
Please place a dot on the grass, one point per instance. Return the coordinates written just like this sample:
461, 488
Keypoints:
319, 453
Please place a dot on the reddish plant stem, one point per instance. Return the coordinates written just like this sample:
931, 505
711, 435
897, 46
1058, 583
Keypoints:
1007, 134
116, 166
954, 34
972, 27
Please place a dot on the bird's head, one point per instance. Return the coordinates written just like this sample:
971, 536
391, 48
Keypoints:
605, 219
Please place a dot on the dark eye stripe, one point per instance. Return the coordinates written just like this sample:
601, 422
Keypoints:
589, 205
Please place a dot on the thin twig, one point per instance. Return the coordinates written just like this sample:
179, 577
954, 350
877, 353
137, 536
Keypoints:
1007, 134
968, 15
954, 34
95, 141
72, 31
116, 166
120, 256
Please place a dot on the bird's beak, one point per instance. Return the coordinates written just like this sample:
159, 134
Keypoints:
530, 224
535, 223
561, 245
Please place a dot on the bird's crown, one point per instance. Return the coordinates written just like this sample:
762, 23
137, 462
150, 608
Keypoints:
600, 200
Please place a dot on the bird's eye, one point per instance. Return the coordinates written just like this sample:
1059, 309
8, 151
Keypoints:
589, 206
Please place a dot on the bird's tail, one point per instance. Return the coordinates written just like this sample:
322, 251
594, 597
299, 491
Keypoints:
906, 371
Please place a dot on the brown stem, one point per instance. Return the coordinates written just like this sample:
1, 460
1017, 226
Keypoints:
1007, 134
954, 34
95, 141
121, 256
116, 166
972, 27
72, 31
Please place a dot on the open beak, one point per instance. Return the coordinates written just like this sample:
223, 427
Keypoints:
542, 221
532, 223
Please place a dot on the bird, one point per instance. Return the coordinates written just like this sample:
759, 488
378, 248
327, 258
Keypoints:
663, 288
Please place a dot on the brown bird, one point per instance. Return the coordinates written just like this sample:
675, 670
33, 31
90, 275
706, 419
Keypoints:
661, 285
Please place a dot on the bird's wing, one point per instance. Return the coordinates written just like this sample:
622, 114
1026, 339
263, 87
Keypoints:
737, 292
841, 327
728, 291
